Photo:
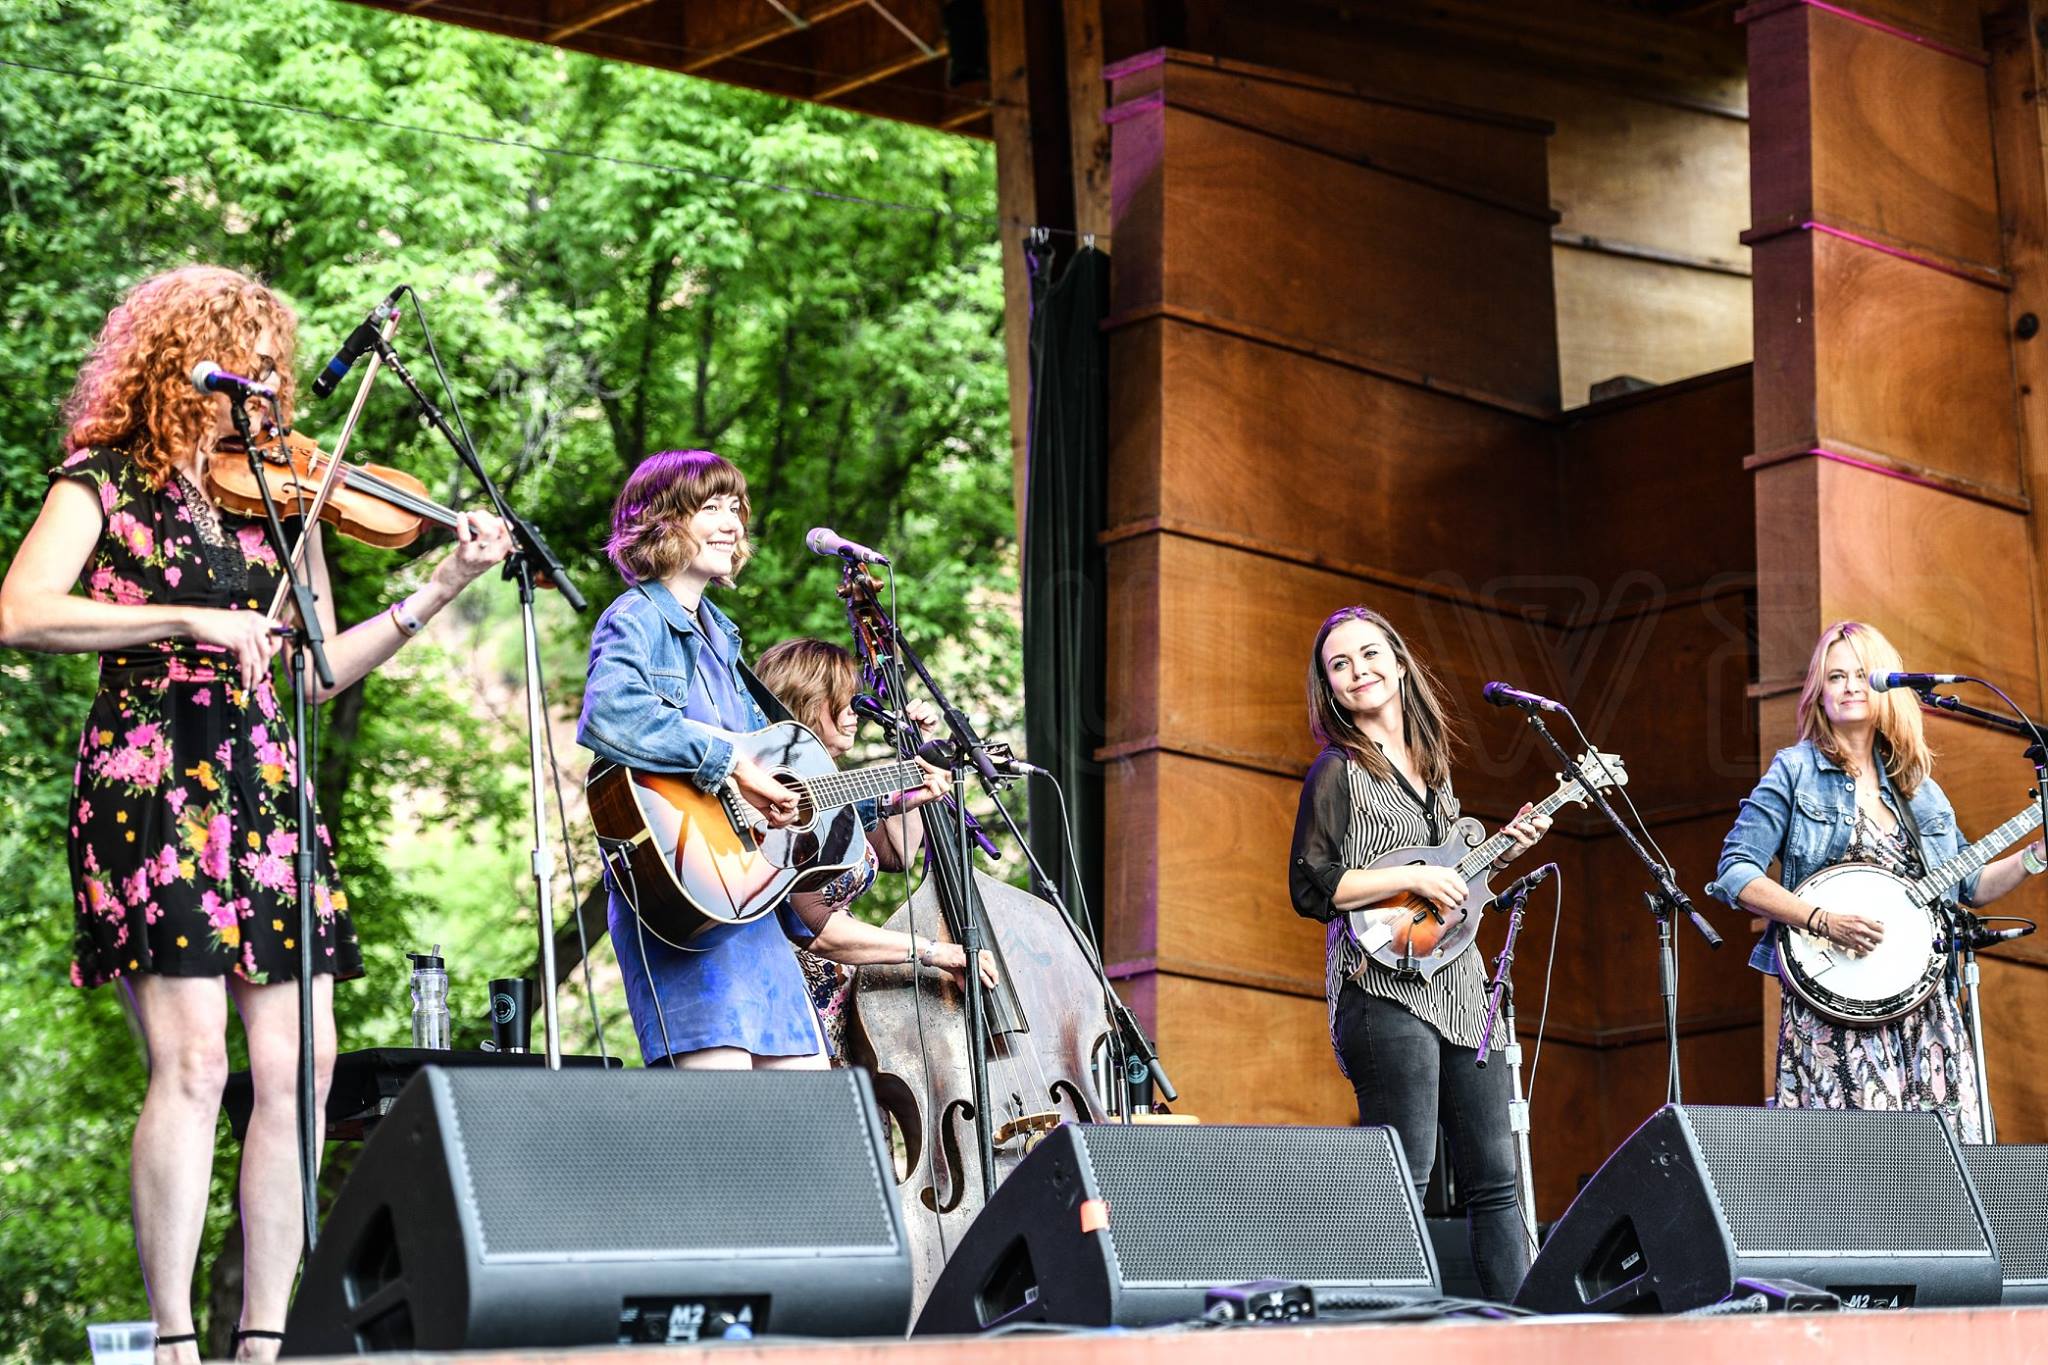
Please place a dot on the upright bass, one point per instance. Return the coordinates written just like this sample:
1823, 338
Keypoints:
1045, 1023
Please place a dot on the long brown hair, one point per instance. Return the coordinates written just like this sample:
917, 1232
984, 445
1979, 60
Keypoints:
1901, 741
135, 390
815, 679
1425, 721
650, 536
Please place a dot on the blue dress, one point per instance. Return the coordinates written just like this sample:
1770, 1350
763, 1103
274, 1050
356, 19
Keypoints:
735, 985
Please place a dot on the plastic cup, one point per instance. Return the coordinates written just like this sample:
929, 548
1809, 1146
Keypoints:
122, 1343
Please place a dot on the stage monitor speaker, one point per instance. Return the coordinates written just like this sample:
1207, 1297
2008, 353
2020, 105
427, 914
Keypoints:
2012, 1182
1130, 1224
565, 1208
1874, 1206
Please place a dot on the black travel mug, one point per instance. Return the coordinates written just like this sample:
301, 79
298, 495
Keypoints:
512, 1014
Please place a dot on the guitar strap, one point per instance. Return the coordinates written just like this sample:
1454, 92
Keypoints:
766, 700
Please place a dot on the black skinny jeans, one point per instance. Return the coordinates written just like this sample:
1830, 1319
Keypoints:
1409, 1078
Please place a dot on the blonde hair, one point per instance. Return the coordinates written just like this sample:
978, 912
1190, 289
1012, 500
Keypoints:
1425, 721
1901, 742
814, 679
650, 537
135, 391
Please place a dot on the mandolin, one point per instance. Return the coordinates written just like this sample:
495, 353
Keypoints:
687, 859
1416, 936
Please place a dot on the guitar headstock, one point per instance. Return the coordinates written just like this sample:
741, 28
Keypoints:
1594, 771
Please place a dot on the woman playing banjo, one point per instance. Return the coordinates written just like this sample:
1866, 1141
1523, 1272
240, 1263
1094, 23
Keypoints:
1854, 790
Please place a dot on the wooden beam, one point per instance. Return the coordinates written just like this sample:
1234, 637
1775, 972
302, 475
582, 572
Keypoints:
895, 66
587, 14
713, 48
1087, 133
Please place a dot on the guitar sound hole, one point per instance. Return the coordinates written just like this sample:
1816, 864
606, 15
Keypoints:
806, 809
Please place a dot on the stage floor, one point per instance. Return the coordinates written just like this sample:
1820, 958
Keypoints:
1913, 1337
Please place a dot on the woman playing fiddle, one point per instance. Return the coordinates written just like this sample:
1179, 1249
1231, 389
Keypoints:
182, 837
1856, 788
665, 677
1407, 1045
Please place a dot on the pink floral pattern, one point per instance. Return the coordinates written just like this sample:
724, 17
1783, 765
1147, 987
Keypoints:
182, 840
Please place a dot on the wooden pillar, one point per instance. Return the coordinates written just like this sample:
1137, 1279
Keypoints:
1892, 482
1333, 367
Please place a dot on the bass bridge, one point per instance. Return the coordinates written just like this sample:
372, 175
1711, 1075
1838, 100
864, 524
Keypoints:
1025, 1124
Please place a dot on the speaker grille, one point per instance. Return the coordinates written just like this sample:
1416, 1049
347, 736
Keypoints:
1802, 1181
1220, 1205
718, 1163
2013, 1183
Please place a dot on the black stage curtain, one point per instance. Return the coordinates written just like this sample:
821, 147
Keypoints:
1065, 584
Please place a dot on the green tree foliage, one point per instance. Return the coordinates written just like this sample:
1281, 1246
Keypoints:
651, 291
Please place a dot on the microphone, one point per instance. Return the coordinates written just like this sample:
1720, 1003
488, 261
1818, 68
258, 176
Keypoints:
1500, 694
1520, 888
940, 753
1979, 937
360, 340
870, 709
1885, 682
823, 540
208, 377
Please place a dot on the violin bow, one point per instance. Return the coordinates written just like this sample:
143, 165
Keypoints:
309, 517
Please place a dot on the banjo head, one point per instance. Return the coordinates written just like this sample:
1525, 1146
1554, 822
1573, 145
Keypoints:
1892, 979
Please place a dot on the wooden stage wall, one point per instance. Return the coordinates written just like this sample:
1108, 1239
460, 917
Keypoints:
1899, 213
1334, 380
1368, 260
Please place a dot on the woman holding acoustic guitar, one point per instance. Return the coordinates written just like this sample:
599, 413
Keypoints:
1408, 1045
1857, 788
665, 678
182, 837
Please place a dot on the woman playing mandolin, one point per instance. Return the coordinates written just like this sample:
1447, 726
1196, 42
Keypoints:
1853, 790
665, 677
182, 837
1383, 782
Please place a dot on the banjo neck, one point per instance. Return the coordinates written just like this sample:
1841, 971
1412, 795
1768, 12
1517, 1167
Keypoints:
1951, 870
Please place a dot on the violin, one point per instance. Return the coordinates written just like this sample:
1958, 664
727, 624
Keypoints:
370, 503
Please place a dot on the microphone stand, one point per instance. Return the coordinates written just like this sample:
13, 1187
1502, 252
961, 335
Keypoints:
531, 561
1665, 903
1500, 1006
1962, 922
1143, 1060
308, 652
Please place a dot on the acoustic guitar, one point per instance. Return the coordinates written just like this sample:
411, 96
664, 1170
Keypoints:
688, 859
1416, 936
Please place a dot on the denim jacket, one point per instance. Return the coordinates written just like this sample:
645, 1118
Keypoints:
1802, 814
644, 657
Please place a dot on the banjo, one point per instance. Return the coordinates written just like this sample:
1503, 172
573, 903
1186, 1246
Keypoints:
1906, 965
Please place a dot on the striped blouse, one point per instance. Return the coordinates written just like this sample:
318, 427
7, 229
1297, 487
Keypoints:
1347, 819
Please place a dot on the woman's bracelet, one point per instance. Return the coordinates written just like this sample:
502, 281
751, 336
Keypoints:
2032, 862
921, 954
1809, 918
401, 615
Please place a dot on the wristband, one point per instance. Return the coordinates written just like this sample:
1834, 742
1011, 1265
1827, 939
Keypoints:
1809, 918
2034, 866
408, 624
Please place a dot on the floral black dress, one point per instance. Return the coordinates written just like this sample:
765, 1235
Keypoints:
182, 836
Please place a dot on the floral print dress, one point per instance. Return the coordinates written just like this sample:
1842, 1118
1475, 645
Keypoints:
182, 839
1920, 1060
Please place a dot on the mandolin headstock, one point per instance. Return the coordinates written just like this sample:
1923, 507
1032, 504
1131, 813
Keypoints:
1594, 771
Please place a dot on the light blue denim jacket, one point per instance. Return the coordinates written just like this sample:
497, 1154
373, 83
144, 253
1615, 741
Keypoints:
644, 657
1801, 814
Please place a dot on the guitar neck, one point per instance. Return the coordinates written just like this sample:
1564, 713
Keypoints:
1952, 870
1482, 857
834, 790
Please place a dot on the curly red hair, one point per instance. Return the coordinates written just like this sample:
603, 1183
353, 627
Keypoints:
135, 391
